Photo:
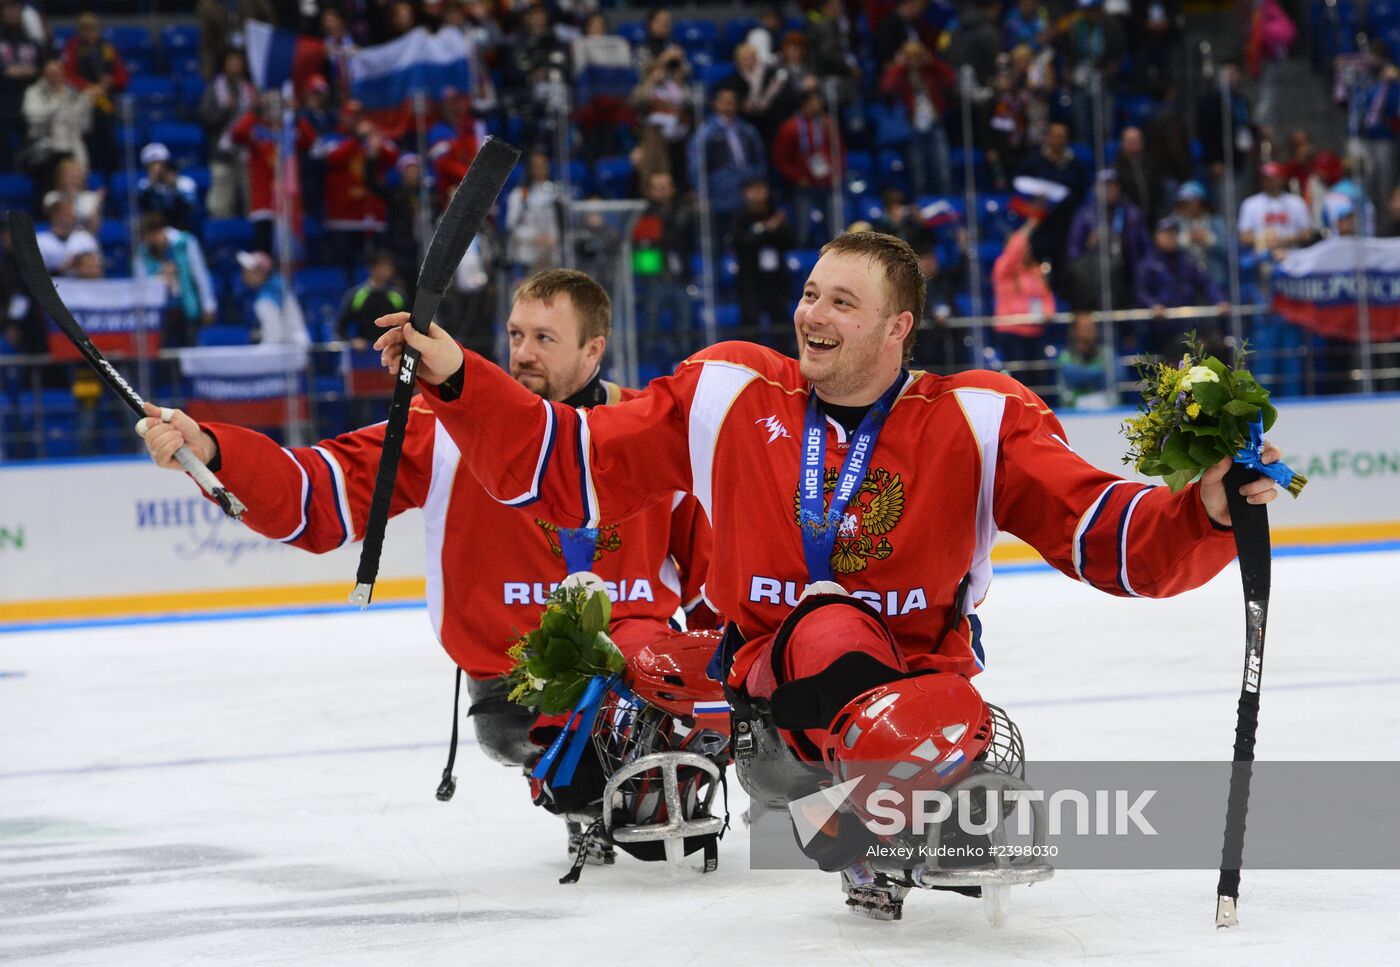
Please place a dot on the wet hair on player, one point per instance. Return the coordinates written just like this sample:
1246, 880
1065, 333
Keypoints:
590, 300
905, 287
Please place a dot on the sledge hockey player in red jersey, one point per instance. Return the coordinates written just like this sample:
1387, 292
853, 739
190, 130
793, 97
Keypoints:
490, 566
854, 506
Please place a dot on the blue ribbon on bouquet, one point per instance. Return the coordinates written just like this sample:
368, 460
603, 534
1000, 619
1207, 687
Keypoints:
576, 739
1252, 457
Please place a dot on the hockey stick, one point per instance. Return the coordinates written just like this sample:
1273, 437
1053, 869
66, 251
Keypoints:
475, 196
1250, 523
37, 280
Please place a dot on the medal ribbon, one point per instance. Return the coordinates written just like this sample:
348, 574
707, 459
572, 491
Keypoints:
820, 525
579, 545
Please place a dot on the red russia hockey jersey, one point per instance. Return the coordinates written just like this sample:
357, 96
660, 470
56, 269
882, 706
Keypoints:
959, 458
490, 567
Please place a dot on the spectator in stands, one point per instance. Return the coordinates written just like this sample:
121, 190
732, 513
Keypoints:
1392, 209
939, 345
761, 237
1274, 220
357, 157
260, 133
662, 103
1027, 22
339, 45
63, 240
20, 61
272, 312
1169, 278
58, 118
175, 257
1056, 162
765, 39
163, 189
536, 65
1003, 121
728, 152
602, 77
93, 65
807, 153
70, 179
1381, 114
228, 96
663, 240
1019, 288
977, 41
314, 106
20, 327
1202, 233
831, 47
1090, 43
751, 84
534, 219
904, 26
408, 223
376, 296
656, 42
453, 143
87, 260
1155, 28
1318, 178
1137, 173
1127, 243
904, 221
1083, 367
1210, 128
787, 82
923, 83
1169, 137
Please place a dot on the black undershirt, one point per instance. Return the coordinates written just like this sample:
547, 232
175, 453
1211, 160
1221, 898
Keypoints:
848, 416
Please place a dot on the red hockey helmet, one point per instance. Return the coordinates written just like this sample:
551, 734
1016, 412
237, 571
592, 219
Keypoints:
911, 734
670, 674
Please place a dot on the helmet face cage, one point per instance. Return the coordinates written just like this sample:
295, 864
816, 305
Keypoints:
661, 772
1005, 753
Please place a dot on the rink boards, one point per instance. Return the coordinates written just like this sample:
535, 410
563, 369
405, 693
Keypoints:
83, 540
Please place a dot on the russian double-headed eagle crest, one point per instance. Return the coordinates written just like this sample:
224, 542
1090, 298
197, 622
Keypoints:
871, 515
608, 539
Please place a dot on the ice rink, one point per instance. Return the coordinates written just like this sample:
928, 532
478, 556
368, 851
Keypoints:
260, 791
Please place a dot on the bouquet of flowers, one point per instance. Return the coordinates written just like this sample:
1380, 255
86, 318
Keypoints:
555, 662
1198, 412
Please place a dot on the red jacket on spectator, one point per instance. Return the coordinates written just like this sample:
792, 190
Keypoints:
802, 151
937, 77
261, 141
451, 157
350, 203
84, 68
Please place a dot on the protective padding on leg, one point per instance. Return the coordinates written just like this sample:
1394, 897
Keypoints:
502, 726
830, 649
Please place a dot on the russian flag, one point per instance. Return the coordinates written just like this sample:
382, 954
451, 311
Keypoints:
385, 77
271, 53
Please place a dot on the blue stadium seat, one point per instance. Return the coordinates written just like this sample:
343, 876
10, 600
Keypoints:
735, 30
191, 90
701, 60
891, 170
320, 278
114, 238
129, 40
224, 336
185, 141
696, 35
859, 168
179, 44
155, 97
201, 179
611, 176
633, 31
727, 315
134, 134
16, 191
226, 237
891, 125
579, 179
800, 263
713, 74
141, 63
116, 201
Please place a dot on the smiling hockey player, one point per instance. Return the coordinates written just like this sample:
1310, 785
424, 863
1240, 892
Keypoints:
490, 567
884, 488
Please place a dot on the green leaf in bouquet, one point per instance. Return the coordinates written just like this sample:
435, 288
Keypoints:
537, 666
1215, 366
1175, 452
555, 623
1201, 429
607, 655
1178, 479
535, 641
1211, 396
1270, 414
561, 654
554, 700
597, 614
1242, 409
1205, 451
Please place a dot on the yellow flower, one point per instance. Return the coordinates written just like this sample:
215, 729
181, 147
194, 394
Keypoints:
1193, 410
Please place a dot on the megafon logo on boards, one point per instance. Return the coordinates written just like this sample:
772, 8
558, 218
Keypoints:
11, 537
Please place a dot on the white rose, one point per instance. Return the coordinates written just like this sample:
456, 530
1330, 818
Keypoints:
1199, 374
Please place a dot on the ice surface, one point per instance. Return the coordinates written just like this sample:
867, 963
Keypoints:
261, 792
